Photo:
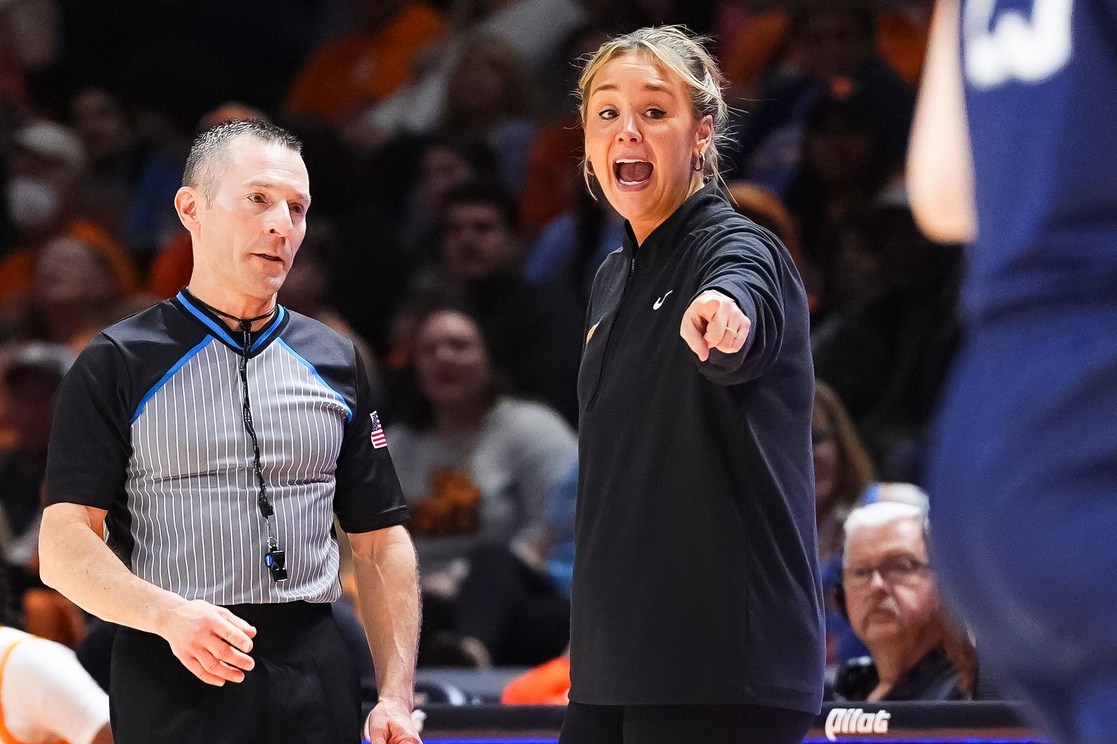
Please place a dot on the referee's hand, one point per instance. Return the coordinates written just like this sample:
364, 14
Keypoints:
390, 722
210, 641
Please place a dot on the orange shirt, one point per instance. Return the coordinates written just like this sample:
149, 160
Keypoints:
900, 41
351, 73
749, 53
17, 269
171, 269
553, 178
548, 684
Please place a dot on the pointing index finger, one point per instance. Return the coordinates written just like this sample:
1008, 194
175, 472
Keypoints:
709, 308
691, 329
715, 331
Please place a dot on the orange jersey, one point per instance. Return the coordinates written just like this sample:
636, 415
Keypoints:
353, 72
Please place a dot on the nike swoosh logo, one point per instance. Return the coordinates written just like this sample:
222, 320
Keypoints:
659, 303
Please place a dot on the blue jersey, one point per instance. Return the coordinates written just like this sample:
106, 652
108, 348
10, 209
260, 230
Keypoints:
1041, 97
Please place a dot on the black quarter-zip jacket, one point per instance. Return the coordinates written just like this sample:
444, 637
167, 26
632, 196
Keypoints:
696, 575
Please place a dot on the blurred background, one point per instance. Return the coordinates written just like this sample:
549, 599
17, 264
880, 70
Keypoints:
453, 239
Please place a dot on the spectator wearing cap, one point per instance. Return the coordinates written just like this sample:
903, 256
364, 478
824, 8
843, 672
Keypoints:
45, 170
890, 597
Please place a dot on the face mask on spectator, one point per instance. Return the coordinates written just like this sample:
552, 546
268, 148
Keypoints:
32, 203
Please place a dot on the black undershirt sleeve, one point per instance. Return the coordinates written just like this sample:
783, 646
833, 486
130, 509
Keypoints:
90, 442
368, 495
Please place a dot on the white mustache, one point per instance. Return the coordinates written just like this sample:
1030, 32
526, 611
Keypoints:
888, 603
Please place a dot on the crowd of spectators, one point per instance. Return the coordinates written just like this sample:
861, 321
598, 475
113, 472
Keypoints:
453, 239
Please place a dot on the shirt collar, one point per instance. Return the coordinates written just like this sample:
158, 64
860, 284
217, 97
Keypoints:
217, 328
665, 238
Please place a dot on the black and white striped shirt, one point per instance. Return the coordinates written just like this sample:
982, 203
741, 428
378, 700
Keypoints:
148, 426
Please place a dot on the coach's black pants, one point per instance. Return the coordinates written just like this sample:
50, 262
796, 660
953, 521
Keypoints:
303, 688
672, 724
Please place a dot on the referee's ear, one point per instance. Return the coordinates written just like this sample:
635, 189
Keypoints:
186, 204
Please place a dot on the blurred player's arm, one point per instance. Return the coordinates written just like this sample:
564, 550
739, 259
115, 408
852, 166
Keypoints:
940, 165
49, 687
210, 641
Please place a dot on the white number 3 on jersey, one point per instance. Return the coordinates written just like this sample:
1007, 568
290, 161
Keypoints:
1014, 47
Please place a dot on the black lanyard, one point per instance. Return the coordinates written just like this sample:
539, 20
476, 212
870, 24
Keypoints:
274, 558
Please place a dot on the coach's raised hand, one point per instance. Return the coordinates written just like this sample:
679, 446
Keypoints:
210, 641
713, 321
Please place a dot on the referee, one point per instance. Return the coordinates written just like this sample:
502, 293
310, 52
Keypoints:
212, 438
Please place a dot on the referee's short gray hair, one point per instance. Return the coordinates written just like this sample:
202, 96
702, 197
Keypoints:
207, 160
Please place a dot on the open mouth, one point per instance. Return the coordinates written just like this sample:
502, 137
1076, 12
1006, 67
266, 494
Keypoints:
269, 257
632, 173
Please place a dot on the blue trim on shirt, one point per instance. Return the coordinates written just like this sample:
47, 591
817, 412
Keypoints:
308, 365
221, 332
170, 373
265, 333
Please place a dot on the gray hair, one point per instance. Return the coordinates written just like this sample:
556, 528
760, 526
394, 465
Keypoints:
686, 56
881, 513
208, 160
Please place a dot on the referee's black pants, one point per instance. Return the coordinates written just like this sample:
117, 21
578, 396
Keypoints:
671, 724
303, 688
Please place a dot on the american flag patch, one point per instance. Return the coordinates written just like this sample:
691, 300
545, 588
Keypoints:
378, 438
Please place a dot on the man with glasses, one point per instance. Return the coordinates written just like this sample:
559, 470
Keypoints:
889, 594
